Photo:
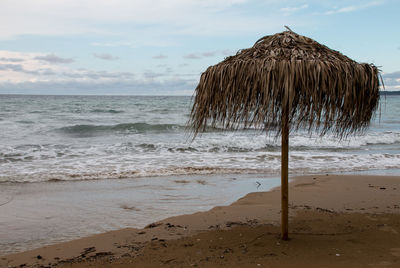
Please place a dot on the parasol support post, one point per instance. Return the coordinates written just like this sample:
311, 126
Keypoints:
285, 176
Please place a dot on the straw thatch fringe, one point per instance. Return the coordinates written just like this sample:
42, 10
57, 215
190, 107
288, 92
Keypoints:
322, 89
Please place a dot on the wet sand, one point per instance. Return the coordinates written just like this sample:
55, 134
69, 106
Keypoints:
335, 221
34, 215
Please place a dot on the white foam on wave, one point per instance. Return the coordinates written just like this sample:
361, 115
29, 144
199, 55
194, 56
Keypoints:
38, 153
351, 142
256, 141
142, 165
226, 152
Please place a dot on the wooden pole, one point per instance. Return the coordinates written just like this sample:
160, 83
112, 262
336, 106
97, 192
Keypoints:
285, 175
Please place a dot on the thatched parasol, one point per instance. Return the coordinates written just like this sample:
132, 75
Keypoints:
285, 82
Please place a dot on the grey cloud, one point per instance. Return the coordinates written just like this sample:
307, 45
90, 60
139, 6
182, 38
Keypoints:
392, 80
46, 72
200, 55
115, 75
160, 57
152, 75
166, 67
134, 87
19, 68
192, 56
53, 59
95, 75
79, 74
105, 56
11, 59
224, 52
394, 75
209, 54
12, 67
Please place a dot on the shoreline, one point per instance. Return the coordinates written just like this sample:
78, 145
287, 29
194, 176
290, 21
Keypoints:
42, 214
309, 196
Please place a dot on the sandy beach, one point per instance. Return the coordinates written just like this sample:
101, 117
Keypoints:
335, 221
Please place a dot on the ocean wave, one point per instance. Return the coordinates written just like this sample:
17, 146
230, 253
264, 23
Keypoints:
262, 163
111, 111
38, 152
226, 144
169, 171
25, 122
303, 142
127, 128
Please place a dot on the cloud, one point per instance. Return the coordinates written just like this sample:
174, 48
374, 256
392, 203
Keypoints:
105, 56
11, 59
175, 86
391, 80
209, 54
394, 75
11, 67
160, 57
90, 75
53, 59
156, 18
352, 8
34, 75
290, 10
195, 56
42, 67
192, 56
18, 68
151, 75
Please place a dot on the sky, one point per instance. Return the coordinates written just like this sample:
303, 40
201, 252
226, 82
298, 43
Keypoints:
161, 47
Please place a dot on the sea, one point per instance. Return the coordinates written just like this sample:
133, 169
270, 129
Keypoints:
72, 166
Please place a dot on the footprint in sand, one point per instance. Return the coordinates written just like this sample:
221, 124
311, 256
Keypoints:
388, 229
371, 218
304, 184
395, 252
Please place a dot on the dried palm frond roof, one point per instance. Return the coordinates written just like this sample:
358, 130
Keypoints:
321, 88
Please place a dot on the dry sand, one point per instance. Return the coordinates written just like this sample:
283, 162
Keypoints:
335, 221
